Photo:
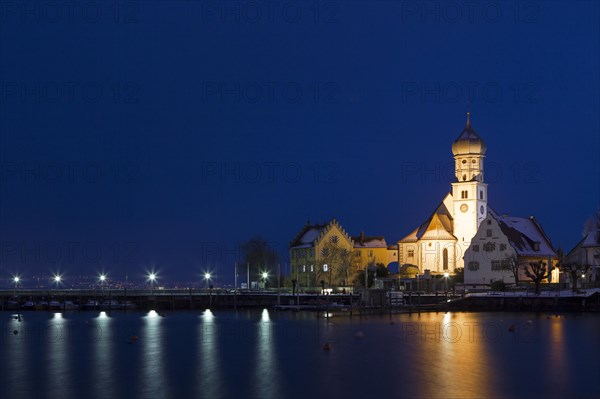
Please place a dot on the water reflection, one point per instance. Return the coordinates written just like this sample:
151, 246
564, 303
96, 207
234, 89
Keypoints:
103, 356
209, 379
153, 372
59, 379
16, 356
267, 370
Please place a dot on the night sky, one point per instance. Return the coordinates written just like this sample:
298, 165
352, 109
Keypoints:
157, 134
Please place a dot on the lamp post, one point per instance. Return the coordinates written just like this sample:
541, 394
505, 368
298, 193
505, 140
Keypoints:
446, 275
265, 277
16, 281
207, 277
152, 278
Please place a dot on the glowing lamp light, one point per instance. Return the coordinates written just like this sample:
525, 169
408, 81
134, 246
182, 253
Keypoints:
207, 276
16, 279
57, 278
152, 277
265, 275
446, 275
102, 278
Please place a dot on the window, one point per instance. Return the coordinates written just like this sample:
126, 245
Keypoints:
502, 247
334, 239
325, 267
496, 265
357, 253
488, 233
411, 253
445, 258
311, 252
505, 264
473, 266
475, 248
489, 222
312, 268
464, 161
303, 268
481, 194
464, 194
489, 246
536, 246
370, 253
325, 252
464, 177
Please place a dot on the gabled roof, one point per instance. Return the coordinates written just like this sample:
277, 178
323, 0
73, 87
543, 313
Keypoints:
437, 226
363, 241
523, 234
310, 234
590, 240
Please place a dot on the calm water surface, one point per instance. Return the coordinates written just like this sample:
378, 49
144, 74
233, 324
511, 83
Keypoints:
264, 354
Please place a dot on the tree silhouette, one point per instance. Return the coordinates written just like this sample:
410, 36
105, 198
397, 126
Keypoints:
537, 272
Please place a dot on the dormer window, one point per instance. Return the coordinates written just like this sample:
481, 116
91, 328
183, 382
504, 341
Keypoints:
536, 246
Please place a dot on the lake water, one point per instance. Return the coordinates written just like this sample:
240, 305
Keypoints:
266, 354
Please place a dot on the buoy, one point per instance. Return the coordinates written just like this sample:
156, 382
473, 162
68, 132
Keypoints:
511, 328
326, 347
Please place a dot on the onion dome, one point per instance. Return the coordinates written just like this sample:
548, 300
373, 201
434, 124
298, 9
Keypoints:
468, 142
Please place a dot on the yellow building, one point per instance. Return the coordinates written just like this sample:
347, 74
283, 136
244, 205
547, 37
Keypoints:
369, 251
325, 252
321, 252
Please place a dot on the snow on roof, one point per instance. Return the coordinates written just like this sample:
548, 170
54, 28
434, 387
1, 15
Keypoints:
526, 236
369, 242
437, 226
307, 236
592, 239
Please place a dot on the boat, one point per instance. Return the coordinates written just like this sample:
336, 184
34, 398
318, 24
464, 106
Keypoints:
69, 305
28, 305
54, 305
111, 305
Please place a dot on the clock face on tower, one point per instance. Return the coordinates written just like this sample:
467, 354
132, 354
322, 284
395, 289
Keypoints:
464, 207
482, 209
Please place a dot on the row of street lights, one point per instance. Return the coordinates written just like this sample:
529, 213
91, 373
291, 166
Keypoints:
151, 277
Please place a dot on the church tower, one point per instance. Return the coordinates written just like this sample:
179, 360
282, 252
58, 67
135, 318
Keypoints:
469, 191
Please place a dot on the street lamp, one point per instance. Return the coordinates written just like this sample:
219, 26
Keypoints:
265, 276
102, 279
207, 278
57, 278
16, 280
152, 278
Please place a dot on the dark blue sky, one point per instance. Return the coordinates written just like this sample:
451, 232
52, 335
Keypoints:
162, 134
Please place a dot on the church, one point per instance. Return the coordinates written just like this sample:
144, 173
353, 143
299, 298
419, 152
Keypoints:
440, 242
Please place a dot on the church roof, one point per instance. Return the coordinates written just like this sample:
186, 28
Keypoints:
525, 235
437, 227
468, 142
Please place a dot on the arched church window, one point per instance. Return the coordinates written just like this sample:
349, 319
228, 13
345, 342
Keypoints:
445, 258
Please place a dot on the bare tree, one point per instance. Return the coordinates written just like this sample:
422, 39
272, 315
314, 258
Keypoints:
574, 271
339, 264
537, 272
512, 264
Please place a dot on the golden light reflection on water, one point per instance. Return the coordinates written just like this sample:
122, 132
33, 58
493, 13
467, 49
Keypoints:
153, 372
457, 349
266, 368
